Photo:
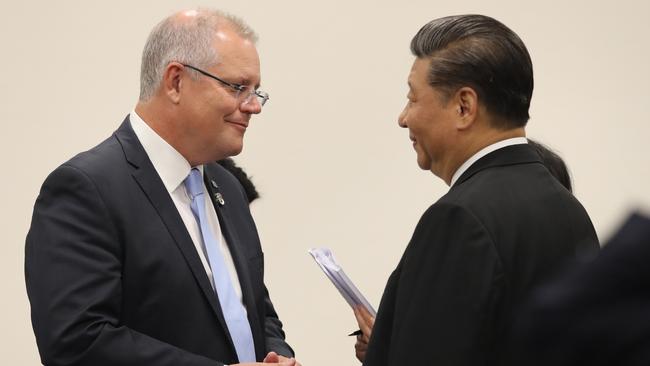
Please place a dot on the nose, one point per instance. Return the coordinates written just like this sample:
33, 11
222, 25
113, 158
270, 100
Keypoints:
251, 105
401, 120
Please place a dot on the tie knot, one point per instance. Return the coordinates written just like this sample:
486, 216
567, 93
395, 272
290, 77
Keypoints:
194, 183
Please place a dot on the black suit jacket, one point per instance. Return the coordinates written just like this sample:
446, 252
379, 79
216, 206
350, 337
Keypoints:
114, 278
597, 314
504, 227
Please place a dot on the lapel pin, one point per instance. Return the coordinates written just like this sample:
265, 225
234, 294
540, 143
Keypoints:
219, 199
217, 196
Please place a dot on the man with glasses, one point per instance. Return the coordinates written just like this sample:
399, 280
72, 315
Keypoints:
142, 251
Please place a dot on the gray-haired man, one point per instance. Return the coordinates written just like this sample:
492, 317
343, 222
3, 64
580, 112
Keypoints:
142, 251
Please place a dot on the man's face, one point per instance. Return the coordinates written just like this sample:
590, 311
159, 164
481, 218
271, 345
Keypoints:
215, 120
428, 118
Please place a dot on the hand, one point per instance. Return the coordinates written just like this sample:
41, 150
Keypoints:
273, 357
366, 323
290, 362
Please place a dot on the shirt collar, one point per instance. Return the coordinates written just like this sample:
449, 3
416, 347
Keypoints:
484, 151
170, 165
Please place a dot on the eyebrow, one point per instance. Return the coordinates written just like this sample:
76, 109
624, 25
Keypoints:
245, 81
410, 91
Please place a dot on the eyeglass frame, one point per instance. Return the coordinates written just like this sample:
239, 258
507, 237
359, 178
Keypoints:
262, 97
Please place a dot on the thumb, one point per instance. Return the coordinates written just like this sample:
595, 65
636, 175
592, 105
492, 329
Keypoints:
289, 362
271, 357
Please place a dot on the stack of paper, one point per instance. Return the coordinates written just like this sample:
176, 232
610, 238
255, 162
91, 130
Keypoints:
326, 261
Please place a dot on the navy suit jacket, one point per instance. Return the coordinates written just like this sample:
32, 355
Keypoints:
503, 228
597, 314
112, 274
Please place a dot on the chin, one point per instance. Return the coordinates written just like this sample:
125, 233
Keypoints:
423, 164
235, 150
217, 154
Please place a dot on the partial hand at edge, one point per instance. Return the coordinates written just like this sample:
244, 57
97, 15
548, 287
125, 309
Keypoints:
366, 323
274, 358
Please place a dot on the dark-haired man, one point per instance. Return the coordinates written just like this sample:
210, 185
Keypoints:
505, 225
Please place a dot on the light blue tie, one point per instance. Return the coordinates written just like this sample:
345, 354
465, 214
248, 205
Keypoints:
233, 310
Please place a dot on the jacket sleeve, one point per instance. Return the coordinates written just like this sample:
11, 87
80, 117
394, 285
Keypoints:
73, 265
275, 339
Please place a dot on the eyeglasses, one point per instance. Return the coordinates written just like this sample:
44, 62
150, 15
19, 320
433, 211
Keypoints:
241, 92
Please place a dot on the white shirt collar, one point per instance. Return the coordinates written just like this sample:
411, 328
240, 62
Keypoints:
484, 151
170, 165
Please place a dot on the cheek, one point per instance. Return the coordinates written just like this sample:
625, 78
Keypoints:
426, 134
226, 105
220, 104
417, 122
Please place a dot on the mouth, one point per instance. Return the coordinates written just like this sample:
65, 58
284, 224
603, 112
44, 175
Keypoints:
413, 139
243, 125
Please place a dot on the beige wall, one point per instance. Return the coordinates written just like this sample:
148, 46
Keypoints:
332, 165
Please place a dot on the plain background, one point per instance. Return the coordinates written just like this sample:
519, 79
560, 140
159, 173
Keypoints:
327, 155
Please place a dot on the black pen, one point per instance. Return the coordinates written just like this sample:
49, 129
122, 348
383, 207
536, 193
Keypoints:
355, 333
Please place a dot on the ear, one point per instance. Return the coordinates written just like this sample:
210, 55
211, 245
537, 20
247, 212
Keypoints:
172, 82
465, 102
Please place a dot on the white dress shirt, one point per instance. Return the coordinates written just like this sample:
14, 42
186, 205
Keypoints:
484, 151
172, 168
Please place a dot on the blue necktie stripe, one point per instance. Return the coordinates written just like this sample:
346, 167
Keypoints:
233, 310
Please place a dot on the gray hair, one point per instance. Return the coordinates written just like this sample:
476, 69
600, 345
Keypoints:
188, 42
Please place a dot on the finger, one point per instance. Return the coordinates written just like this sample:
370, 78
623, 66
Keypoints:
360, 351
365, 327
363, 339
361, 356
360, 347
285, 359
288, 362
271, 357
356, 312
369, 319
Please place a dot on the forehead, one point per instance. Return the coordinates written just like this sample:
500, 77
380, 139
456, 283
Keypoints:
418, 77
237, 56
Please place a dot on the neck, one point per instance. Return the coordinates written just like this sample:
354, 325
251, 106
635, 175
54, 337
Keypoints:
156, 116
473, 144
160, 119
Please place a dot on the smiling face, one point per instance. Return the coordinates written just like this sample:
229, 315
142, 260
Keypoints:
214, 119
429, 119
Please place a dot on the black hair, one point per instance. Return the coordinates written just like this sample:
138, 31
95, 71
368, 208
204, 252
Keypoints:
242, 177
553, 163
482, 53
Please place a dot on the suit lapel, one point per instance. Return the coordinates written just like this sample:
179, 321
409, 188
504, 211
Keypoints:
509, 155
152, 186
241, 262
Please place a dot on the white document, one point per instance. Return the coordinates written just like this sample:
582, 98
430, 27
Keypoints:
326, 261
